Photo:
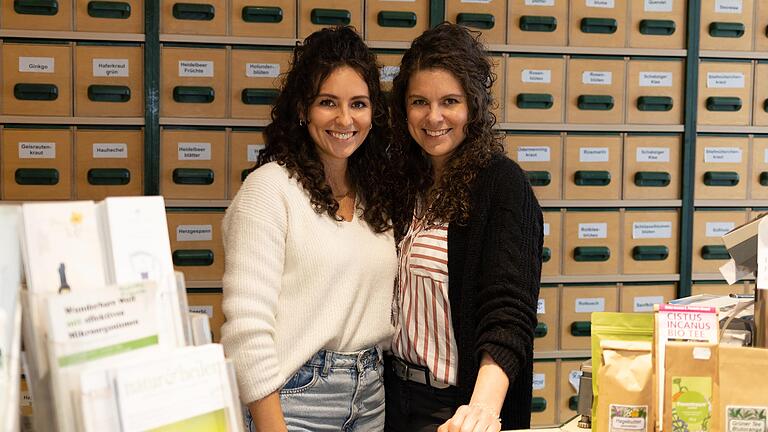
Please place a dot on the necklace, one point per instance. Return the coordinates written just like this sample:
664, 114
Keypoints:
349, 193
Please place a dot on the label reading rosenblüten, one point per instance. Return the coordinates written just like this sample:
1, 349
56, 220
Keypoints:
194, 151
253, 151
110, 151
536, 76
194, 233
657, 5
37, 64
597, 230
652, 154
110, 68
597, 77
37, 150
195, 68
262, 70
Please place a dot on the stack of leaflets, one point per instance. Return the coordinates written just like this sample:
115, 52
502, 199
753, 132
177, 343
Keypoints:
10, 317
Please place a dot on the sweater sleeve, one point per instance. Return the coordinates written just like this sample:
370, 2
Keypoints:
510, 272
254, 232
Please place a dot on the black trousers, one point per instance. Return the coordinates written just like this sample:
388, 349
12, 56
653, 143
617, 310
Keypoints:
414, 407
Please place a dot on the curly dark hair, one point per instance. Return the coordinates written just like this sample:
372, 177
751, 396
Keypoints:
454, 49
288, 142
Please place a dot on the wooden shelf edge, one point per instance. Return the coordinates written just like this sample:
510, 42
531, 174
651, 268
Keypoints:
184, 121
732, 129
73, 35
546, 49
203, 284
179, 203
730, 203
227, 40
122, 121
733, 54
588, 127
610, 278
610, 203
716, 277
542, 355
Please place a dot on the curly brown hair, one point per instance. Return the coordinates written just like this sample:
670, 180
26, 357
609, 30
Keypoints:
454, 49
288, 142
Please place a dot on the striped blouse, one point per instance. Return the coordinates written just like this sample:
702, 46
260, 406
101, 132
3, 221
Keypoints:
423, 329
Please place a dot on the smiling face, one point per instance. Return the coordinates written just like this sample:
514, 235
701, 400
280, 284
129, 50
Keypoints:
340, 117
437, 111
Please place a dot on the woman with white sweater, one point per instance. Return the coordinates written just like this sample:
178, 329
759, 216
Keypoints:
310, 255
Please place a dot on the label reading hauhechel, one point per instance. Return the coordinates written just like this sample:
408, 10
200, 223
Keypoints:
110, 151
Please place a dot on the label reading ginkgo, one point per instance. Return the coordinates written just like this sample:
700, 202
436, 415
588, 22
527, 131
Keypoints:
37, 64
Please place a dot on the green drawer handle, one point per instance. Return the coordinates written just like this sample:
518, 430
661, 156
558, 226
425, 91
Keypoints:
258, 14
36, 7
476, 20
109, 9
715, 252
188, 94
193, 176
591, 254
599, 25
538, 23
535, 101
650, 253
721, 178
396, 19
654, 103
36, 176
726, 29
573, 403
193, 258
36, 92
539, 178
109, 176
109, 93
538, 404
244, 174
541, 330
652, 178
724, 103
253, 96
581, 328
764, 178
595, 102
765, 105
194, 11
330, 16
657, 27
546, 254
592, 178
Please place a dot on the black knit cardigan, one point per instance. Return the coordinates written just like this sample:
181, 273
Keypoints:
494, 269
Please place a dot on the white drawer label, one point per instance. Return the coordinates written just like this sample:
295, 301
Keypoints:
597, 230
539, 381
574, 377
25, 399
652, 230
546, 228
194, 151
657, 5
722, 155
728, 6
110, 151
206, 309
36, 64
765, 156
262, 70
400, 1
37, 150
476, 1
725, 80
193, 68
539, 2
541, 307
194, 233
652, 154
603, 4
655, 79
388, 73
593, 154
110, 67
597, 77
253, 151
645, 304
541, 76
717, 229
533, 154
589, 305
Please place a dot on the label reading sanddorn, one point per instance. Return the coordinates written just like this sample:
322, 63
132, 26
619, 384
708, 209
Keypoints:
37, 64
589, 305
597, 77
655, 79
533, 154
388, 73
746, 418
626, 418
194, 233
194, 68
194, 151
603, 4
597, 230
110, 151
253, 151
541, 307
206, 309
722, 155
537, 76
652, 230
645, 304
37, 150
652, 154
594, 154
262, 70
539, 381
110, 68
729, 6
717, 229
725, 80
657, 5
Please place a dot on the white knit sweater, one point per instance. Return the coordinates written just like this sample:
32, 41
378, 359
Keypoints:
296, 282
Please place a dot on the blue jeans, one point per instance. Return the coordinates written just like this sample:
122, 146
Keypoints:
334, 392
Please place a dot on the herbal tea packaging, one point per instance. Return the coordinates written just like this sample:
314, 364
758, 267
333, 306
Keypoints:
743, 399
691, 383
626, 387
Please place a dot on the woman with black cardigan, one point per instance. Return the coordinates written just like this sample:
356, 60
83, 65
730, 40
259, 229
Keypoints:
464, 308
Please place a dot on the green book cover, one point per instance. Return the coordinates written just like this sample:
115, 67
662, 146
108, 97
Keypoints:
215, 421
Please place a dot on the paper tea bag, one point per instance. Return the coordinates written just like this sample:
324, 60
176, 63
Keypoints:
626, 383
691, 387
